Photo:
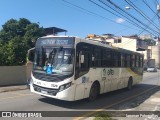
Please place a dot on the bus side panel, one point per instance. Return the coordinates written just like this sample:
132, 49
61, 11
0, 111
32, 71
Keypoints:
96, 75
122, 76
79, 94
85, 82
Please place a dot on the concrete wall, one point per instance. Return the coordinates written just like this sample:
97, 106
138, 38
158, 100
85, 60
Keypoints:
14, 75
156, 55
28, 69
127, 43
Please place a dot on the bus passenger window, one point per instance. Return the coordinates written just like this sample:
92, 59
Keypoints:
133, 61
97, 54
137, 60
122, 60
141, 61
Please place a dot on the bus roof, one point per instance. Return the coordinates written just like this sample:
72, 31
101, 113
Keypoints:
95, 42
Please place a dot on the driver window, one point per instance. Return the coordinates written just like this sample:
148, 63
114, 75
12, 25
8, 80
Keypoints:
85, 65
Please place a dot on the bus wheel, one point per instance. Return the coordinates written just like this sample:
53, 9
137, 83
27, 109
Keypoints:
130, 83
94, 92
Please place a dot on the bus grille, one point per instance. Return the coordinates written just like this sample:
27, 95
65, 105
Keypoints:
46, 90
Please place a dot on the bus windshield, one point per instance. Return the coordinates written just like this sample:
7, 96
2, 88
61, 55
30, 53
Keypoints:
53, 60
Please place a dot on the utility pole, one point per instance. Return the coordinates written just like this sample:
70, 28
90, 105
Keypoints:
158, 11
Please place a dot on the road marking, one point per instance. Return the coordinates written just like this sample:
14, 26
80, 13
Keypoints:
104, 108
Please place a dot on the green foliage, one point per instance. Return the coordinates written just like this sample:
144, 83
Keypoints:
16, 37
102, 116
150, 42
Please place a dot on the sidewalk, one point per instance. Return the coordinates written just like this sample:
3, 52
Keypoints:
13, 88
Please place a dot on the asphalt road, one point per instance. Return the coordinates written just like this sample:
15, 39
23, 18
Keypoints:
24, 100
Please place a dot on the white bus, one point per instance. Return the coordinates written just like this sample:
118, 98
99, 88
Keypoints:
70, 68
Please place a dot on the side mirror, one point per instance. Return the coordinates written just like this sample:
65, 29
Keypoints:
31, 54
82, 58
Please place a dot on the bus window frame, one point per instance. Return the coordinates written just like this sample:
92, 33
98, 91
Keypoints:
82, 49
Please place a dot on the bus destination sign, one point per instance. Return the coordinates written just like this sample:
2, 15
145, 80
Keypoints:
55, 41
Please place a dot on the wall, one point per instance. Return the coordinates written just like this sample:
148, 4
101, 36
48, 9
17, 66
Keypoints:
127, 43
14, 75
28, 69
156, 55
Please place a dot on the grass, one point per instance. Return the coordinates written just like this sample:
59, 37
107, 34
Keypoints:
102, 116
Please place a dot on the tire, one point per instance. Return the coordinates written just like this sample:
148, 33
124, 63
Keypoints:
130, 84
94, 92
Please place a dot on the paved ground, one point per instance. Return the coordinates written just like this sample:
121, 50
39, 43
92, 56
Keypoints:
147, 102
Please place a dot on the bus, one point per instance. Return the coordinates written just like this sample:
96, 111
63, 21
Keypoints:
71, 68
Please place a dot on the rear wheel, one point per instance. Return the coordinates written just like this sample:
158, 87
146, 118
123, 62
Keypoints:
94, 92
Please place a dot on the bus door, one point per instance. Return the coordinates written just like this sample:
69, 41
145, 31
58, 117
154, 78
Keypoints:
82, 68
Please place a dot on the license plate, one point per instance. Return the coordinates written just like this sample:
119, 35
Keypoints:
44, 92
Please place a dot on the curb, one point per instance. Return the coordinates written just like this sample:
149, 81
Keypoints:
13, 88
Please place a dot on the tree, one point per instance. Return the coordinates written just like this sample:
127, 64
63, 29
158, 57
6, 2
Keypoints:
150, 42
16, 37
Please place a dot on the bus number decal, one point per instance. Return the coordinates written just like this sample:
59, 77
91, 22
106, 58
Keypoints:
104, 72
110, 72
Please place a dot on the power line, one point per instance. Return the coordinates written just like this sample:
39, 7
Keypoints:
156, 1
144, 1
134, 23
100, 16
116, 6
141, 13
148, 25
95, 14
88, 11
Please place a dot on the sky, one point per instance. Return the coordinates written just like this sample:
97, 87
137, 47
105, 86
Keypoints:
86, 18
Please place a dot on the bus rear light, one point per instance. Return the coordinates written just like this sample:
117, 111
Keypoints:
65, 86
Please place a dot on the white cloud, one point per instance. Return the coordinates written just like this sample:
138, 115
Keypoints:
120, 20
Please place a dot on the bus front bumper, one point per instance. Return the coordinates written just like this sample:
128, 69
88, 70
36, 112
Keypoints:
66, 94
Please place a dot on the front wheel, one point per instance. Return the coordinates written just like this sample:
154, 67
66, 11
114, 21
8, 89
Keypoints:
94, 92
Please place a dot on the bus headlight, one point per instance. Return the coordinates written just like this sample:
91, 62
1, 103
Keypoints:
65, 86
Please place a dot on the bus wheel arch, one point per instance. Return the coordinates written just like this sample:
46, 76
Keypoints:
130, 83
94, 91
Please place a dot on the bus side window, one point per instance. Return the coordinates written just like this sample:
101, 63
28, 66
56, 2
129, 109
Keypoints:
108, 58
137, 61
116, 59
122, 60
97, 55
128, 60
133, 61
141, 61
